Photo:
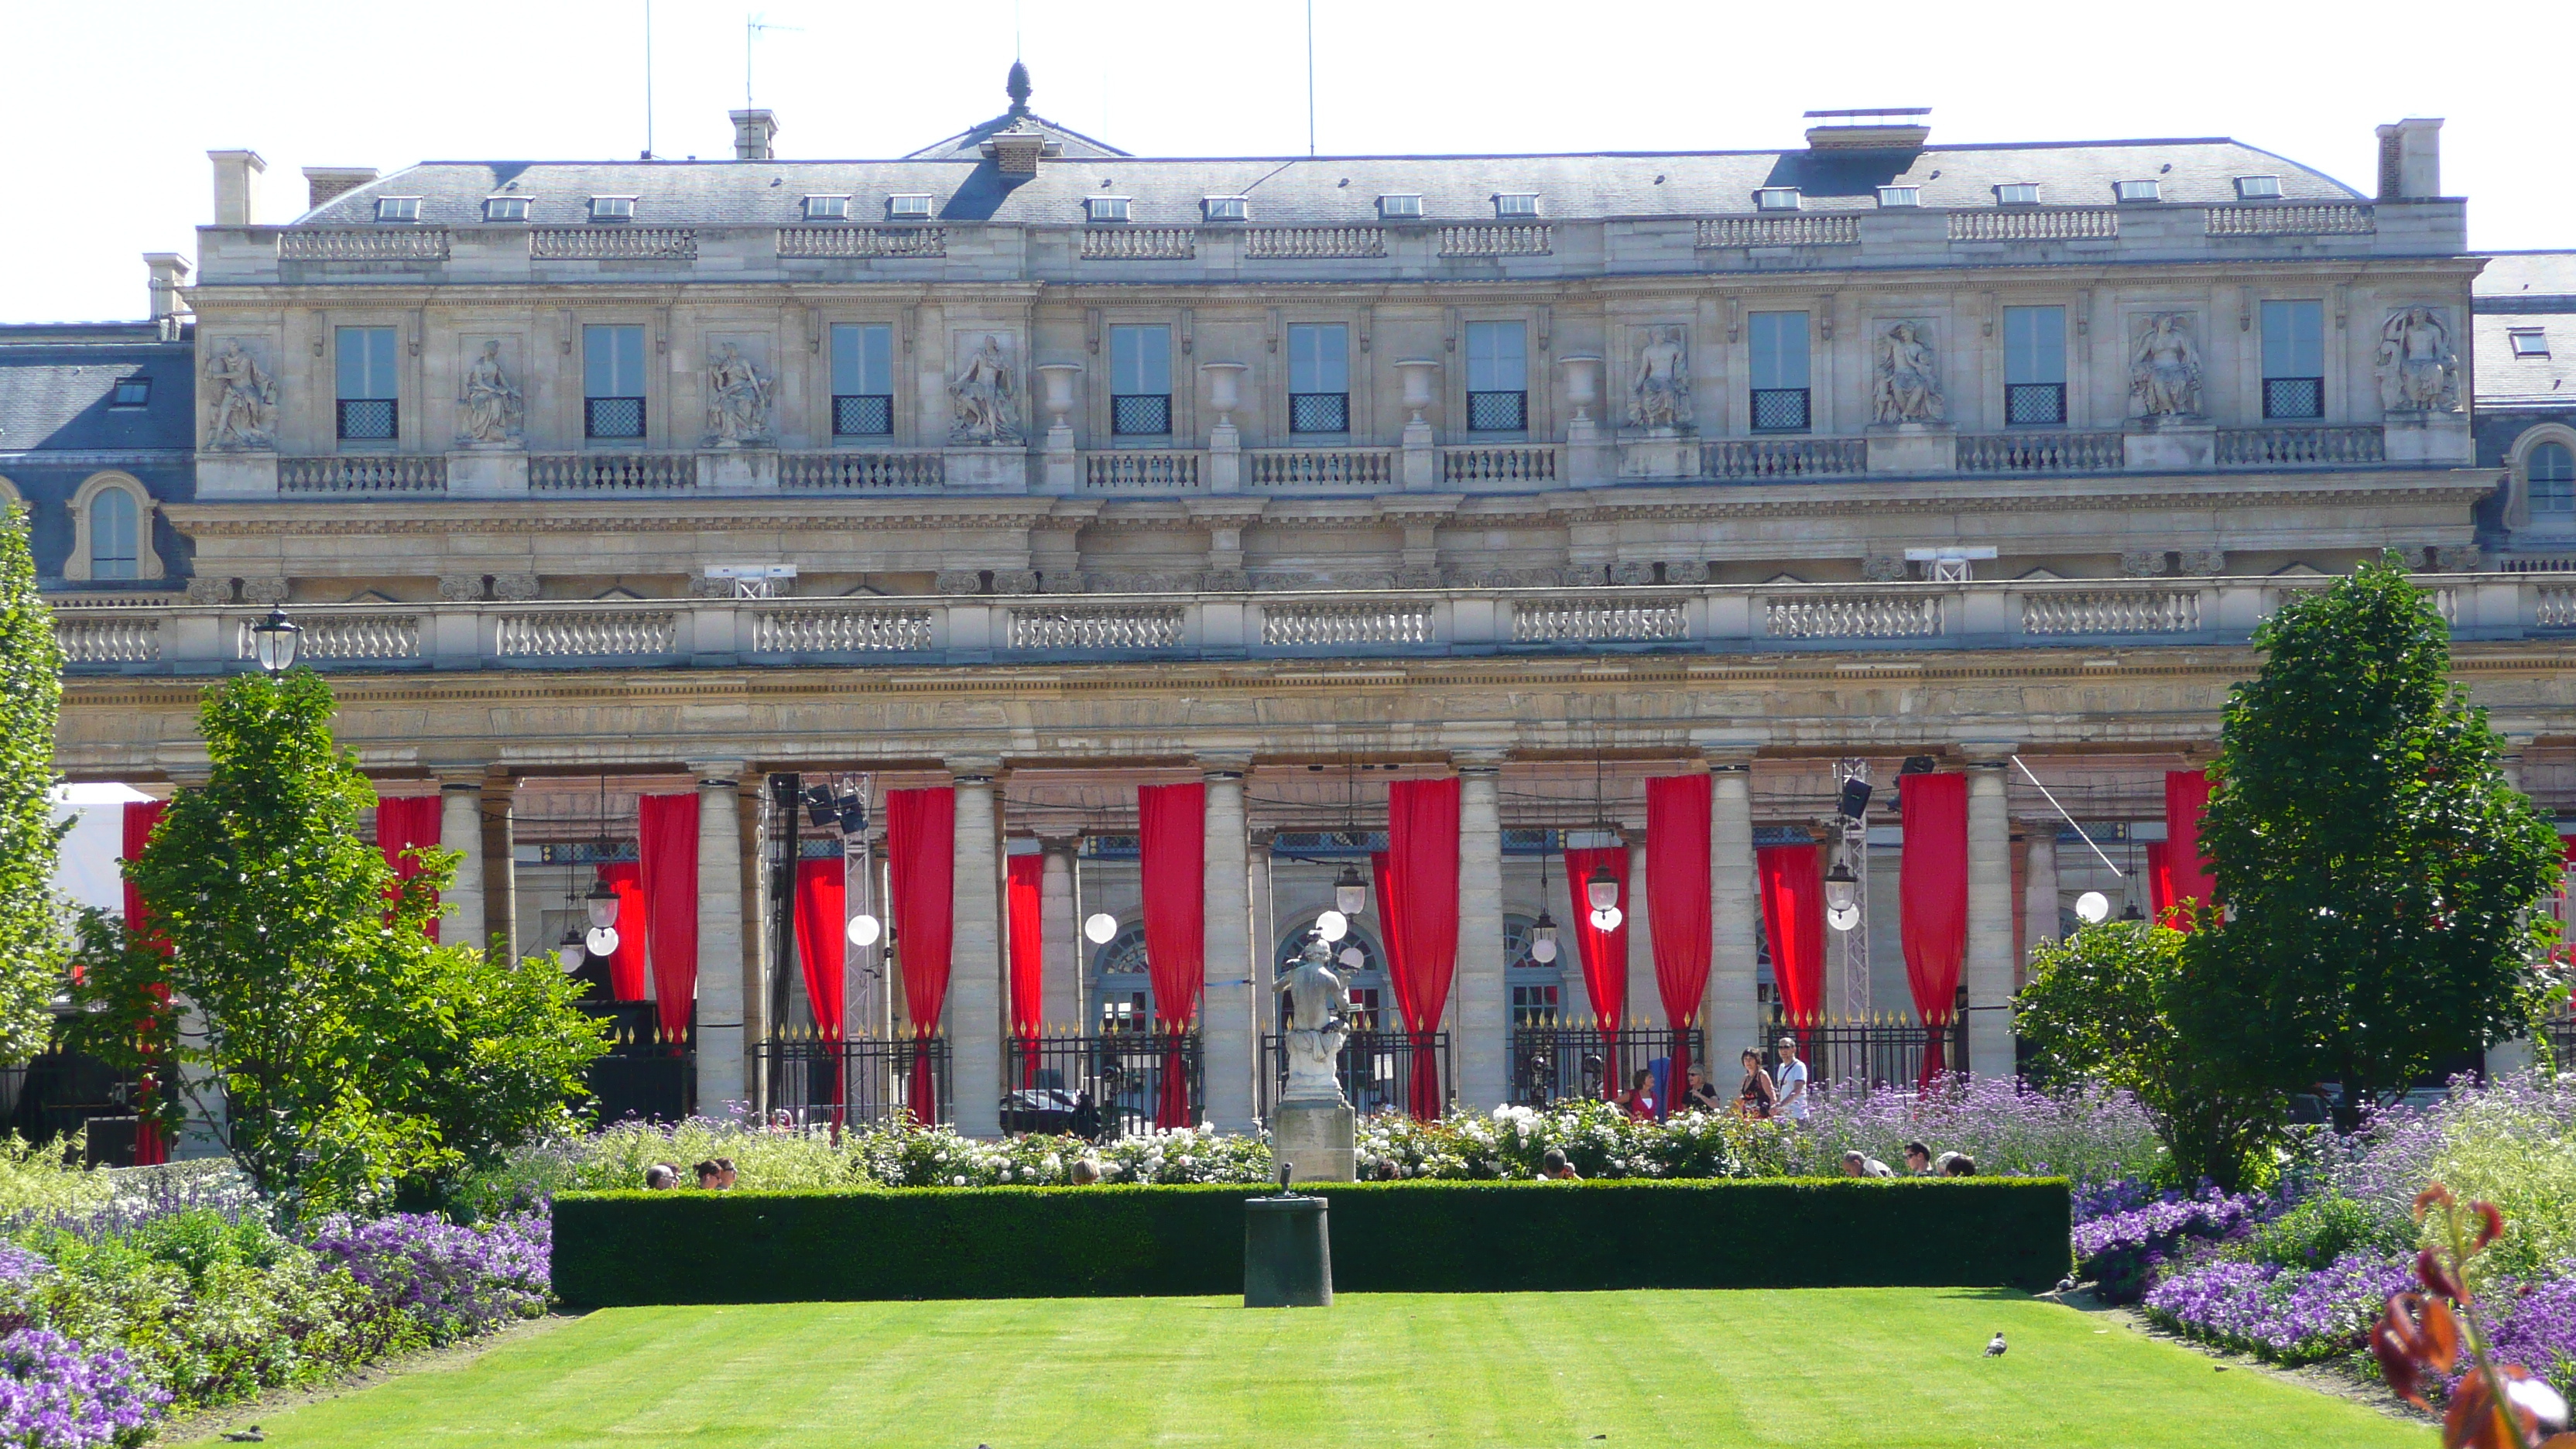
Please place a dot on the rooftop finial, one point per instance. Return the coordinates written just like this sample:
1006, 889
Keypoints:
1018, 87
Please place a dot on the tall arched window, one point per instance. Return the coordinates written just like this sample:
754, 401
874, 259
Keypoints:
2552, 470
113, 541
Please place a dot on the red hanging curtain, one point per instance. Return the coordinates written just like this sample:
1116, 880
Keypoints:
667, 867
1028, 981
822, 925
1418, 891
1932, 896
1603, 954
626, 963
1793, 921
141, 817
404, 824
1683, 932
2186, 795
1172, 864
921, 856
2160, 879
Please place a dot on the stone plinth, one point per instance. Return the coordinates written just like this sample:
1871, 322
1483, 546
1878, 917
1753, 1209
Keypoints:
2422, 438
1002, 469
2168, 444
487, 473
236, 475
1913, 448
1590, 457
1662, 453
1315, 1138
738, 470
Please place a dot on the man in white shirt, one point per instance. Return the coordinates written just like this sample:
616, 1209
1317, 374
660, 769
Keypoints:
1789, 1078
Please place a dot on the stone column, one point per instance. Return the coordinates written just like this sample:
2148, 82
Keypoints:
1226, 1016
500, 846
973, 1013
721, 1072
1060, 959
2039, 885
1989, 967
2506, 1058
1733, 1016
1482, 1041
1645, 1003
460, 829
752, 880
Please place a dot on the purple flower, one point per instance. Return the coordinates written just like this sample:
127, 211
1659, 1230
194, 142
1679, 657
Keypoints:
446, 1280
2286, 1314
54, 1394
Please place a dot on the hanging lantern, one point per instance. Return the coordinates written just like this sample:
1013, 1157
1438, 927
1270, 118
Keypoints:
601, 903
1542, 945
602, 941
571, 953
1100, 928
1350, 893
864, 930
1332, 925
1608, 920
1842, 889
1601, 888
1353, 957
273, 641
2093, 908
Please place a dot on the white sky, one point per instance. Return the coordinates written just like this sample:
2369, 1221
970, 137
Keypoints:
109, 108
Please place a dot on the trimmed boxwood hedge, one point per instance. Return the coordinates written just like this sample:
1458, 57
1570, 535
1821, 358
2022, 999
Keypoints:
627, 1248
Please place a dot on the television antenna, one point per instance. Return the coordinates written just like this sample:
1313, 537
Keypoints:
752, 25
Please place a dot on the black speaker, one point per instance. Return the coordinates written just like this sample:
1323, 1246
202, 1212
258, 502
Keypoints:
1918, 765
1854, 801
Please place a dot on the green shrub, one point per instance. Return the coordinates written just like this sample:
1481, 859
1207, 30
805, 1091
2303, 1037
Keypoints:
2515, 1153
48, 1177
2317, 1232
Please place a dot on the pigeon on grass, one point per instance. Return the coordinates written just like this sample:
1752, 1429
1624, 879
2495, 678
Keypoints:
1995, 1345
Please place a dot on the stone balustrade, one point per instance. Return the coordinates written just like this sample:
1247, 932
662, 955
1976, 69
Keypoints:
612, 243
1139, 244
2040, 452
1327, 470
825, 242
1305, 243
2292, 218
1142, 470
1527, 239
2299, 447
1777, 231
1784, 459
2012, 223
916, 471
363, 244
611, 472
332, 637
373, 474
1531, 463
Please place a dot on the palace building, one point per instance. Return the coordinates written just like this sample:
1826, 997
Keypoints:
765, 544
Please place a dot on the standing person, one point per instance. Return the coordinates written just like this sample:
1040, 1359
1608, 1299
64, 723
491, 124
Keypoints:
1755, 1096
1702, 1095
1640, 1097
1789, 1081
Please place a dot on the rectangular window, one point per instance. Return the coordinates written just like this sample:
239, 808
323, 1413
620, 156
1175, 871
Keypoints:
2034, 366
612, 381
1516, 203
1779, 372
1224, 208
2017, 193
364, 360
612, 208
1900, 196
2147, 190
2529, 342
1497, 377
505, 208
397, 208
1534, 1006
827, 208
1399, 205
1777, 198
133, 392
862, 379
1105, 208
1140, 380
908, 208
2294, 359
1319, 377
2258, 188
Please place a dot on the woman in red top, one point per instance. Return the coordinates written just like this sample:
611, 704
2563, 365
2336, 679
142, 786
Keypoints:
1640, 1096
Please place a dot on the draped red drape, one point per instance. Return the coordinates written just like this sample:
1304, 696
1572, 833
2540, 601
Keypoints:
2160, 880
1172, 867
2186, 794
1028, 980
626, 963
822, 923
921, 856
1418, 891
1793, 921
1602, 954
1932, 897
667, 867
141, 816
1677, 889
403, 824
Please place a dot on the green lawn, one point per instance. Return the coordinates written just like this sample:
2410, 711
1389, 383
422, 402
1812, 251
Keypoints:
1815, 1368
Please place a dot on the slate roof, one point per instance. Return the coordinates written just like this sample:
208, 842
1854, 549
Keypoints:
2520, 291
56, 378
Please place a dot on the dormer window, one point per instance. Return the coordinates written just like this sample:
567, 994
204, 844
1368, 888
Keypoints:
612, 208
505, 208
1400, 206
1777, 198
135, 392
2528, 341
908, 208
1104, 208
1516, 204
2147, 190
2258, 188
397, 208
827, 208
1900, 196
1224, 208
2017, 193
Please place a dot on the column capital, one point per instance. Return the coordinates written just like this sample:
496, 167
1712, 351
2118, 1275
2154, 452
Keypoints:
712, 773
1478, 761
973, 769
1988, 754
460, 781
1729, 760
1212, 763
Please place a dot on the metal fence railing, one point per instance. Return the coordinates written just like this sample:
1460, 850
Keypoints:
1880, 1053
1376, 1070
1554, 1062
818, 1082
1105, 1085
647, 1074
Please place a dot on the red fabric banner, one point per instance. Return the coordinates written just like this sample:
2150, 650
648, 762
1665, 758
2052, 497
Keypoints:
2160, 881
921, 856
822, 925
1602, 954
1677, 889
667, 854
404, 824
1932, 899
1793, 921
1171, 848
1028, 970
626, 963
1418, 890
2186, 795
151, 1149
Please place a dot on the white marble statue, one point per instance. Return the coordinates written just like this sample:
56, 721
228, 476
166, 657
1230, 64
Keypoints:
986, 394
2164, 368
243, 410
1907, 387
1319, 1002
1659, 390
494, 407
737, 400
2418, 371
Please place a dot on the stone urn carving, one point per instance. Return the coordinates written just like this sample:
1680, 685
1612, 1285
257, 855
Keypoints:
1225, 381
1582, 384
1056, 378
1417, 387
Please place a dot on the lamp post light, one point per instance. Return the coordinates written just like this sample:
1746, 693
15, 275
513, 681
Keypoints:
1350, 893
273, 642
1542, 947
1840, 885
1601, 889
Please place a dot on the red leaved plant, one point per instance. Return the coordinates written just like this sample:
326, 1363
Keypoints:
2422, 1336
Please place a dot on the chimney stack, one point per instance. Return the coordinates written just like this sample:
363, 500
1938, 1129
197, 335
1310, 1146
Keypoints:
752, 133
169, 273
2410, 160
236, 175
321, 183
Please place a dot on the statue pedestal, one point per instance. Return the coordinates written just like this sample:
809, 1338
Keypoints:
999, 468
486, 470
1660, 453
1315, 1137
1590, 458
1913, 448
2169, 444
2427, 437
738, 470
237, 475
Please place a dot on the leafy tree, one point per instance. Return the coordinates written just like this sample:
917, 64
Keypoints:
2100, 1005
32, 944
2379, 875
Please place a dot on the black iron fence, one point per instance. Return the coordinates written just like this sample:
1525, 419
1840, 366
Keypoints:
1554, 1062
864, 1080
647, 1073
61, 1092
1376, 1068
1103, 1086
1877, 1053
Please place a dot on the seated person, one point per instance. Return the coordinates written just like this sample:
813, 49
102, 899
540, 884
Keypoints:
716, 1174
1553, 1167
661, 1177
1860, 1164
1701, 1095
1918, 1159
1639, 1099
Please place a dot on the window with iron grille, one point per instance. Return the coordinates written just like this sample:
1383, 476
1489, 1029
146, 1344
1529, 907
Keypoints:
1140, 380
2294, 359
2551, 469
1780, 376
364, 363
862, 379
1780, 410
1319, 377
612, 381
1497, 377
2034, 366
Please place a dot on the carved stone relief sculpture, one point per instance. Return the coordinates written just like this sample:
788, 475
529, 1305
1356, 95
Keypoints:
738, 399
494, 409
2164, 367
2418, 370
985, 394
1659, 387
242, 406
1907, 385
